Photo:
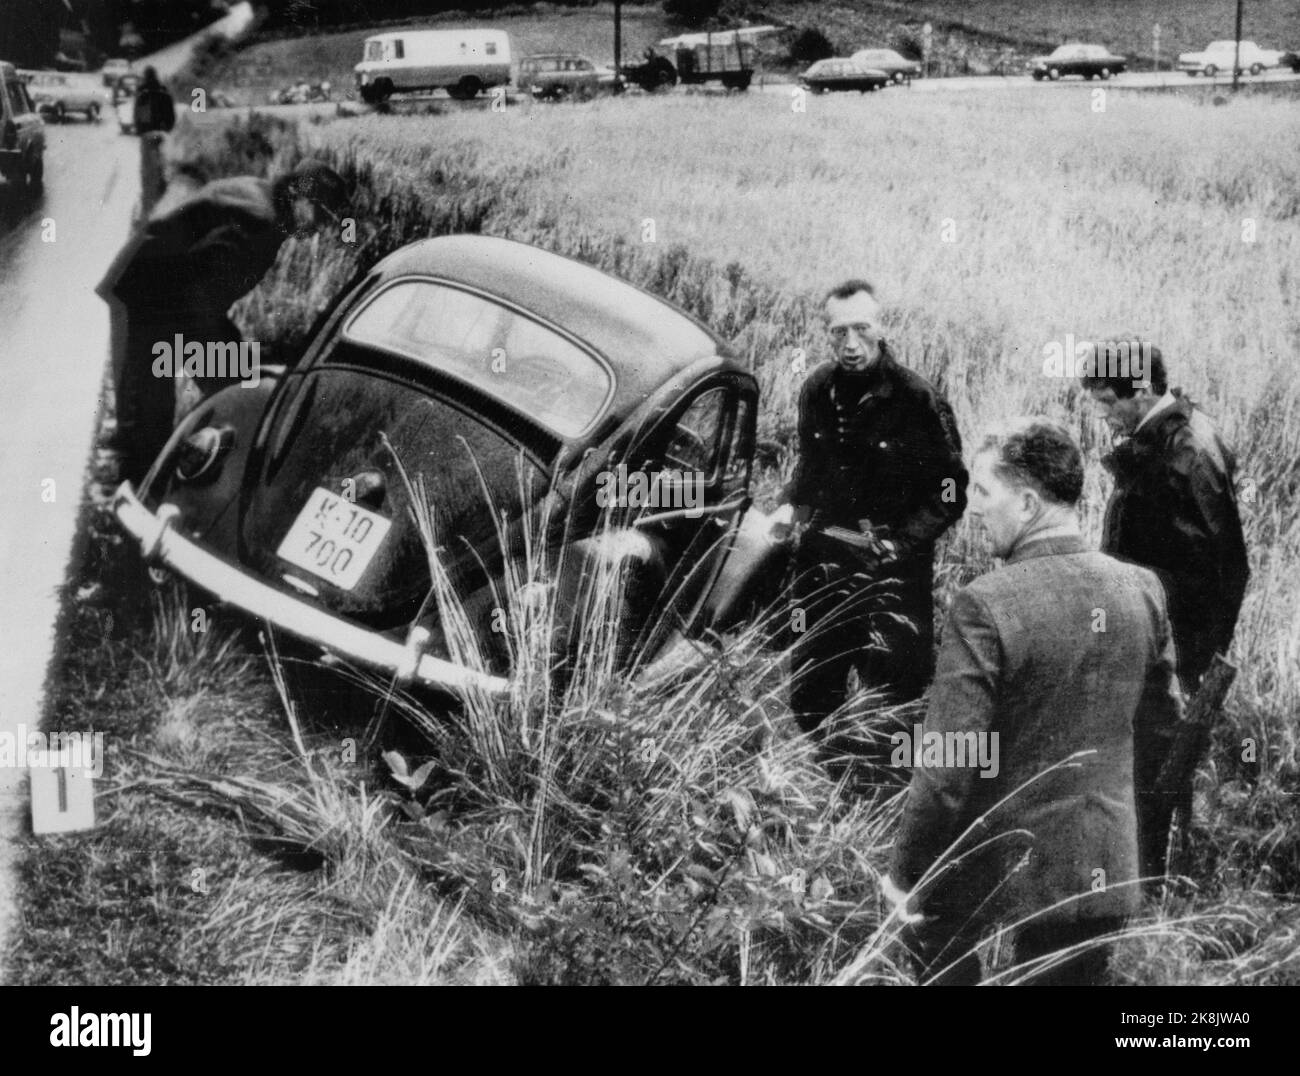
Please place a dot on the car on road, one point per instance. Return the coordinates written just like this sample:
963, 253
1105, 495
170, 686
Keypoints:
22, 133
897, 67
1291, 59
56, 95
1087, 61
558, 75
833, 74
468, 396
114, 70
1219, 56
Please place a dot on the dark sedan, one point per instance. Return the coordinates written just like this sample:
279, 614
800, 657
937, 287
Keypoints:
827, 75
897, 67
469, 397
1087, 61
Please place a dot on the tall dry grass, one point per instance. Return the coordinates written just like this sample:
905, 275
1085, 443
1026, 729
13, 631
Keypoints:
1156, 216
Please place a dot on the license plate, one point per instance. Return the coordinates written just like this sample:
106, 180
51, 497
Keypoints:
334, 539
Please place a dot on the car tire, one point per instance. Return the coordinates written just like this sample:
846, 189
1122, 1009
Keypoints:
1038, 76
1211, 70
466, 89
35, 177
1105, 73
1255, 69
899, 78
1054, 73
92, 113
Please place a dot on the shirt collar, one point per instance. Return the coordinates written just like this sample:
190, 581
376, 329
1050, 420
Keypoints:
1163, 404
1047, 545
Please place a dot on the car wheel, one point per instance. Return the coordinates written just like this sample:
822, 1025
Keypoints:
899, 78
1038, 76
1105, 73
36, 174
1255, 69
92, 113
1211, 70
466, 89
1053, 73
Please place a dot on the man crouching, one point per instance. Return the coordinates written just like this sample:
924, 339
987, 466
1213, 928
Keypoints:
1065, 655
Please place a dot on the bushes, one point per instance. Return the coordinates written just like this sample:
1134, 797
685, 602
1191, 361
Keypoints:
692, 12
810, 45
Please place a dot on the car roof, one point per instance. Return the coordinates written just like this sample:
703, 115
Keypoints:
645, 339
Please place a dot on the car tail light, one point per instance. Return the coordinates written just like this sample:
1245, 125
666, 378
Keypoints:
200, 452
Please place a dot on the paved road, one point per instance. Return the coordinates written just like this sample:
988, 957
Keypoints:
53, 348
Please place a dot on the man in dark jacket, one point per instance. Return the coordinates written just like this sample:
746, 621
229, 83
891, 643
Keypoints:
1173, 510
197, 254
154, 110
879, 478
1055, 674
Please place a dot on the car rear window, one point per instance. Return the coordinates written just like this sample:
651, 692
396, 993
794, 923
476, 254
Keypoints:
496, 349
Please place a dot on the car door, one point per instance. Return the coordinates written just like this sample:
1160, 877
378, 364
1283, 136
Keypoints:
30, 137
702, 449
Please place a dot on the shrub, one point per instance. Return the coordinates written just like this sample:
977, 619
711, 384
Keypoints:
810, 45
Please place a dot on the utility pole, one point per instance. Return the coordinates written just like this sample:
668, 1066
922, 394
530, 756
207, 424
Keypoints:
1236, 50
618, 37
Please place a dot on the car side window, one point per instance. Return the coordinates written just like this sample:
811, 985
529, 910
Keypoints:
696, 441
18, 103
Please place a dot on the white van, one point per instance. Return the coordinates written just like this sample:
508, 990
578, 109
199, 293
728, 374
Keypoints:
464, 62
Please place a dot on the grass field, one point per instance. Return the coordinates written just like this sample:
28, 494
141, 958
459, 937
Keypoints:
564, 853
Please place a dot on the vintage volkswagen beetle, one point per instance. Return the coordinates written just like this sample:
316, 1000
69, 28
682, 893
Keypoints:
469, 368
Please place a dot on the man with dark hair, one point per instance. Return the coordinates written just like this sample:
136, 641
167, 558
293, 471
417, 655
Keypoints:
200, 250
154, 109
878, 479
1173, 510
1055, 672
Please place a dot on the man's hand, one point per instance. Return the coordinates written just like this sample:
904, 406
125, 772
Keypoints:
898, 901
784, 521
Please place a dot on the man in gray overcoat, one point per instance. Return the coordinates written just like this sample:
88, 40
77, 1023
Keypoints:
1056, 671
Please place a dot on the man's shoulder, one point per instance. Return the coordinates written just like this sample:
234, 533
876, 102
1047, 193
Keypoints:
1048, 578
916, 388
244, 198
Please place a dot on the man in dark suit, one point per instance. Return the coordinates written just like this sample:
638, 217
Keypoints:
1056, 673
879, 478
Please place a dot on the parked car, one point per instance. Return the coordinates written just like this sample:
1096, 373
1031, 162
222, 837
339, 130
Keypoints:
1219, 56
898, 68
503, 387
302, 93
463, 62
55, 95
557, 75
1088, 61
842, 74
1290, 59
22, 133
113, 70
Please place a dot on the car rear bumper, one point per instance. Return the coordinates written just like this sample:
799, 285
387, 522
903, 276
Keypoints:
405, 662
